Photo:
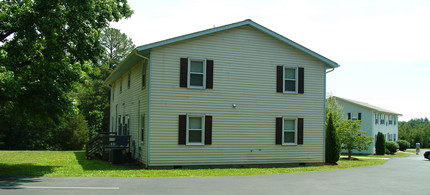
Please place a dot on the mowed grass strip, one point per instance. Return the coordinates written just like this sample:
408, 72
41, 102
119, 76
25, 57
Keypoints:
73, 163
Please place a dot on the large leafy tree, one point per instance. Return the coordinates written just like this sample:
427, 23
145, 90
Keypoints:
43, 47
94, 94
117, 46
46, 47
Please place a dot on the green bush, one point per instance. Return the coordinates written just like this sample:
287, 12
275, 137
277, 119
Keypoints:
392, 147
380, 144
403, 145
333, 146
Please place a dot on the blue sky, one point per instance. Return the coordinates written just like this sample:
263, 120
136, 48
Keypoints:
383, 46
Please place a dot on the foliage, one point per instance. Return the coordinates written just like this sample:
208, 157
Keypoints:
336, 110
415, 131
380, 144
352, 138
392, 147
94, 95
45, 49
73, 163
333, 145
403, 145
73, 133
117, 46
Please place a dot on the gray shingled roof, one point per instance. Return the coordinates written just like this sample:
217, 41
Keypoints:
366, 105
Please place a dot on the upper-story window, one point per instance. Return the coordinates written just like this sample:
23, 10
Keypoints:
354, 116
376, 118
382, 118
290, 79
129, 80
395, 120
390, 119
196, 73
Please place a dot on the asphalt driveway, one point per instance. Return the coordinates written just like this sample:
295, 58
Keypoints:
408, 175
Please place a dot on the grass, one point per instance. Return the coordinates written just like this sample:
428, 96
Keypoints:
398, 154
73, 163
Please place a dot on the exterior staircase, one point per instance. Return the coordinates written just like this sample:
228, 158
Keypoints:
103, 143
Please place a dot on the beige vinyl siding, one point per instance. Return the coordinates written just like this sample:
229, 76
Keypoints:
133, 102
245, 63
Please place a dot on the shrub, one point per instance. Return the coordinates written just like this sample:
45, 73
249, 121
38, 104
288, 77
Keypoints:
403, 145
380, 144
392, 147
333, 145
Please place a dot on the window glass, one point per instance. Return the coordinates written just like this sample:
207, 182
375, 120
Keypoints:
290, 73
195, 136
289, 125
290, 85
196, 67
288, 137
195, 123
196, 79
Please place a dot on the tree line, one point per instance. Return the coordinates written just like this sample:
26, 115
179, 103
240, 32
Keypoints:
54, 57
415, 131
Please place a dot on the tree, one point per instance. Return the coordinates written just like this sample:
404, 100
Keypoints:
94, 94
352, 138
44, 45
45, 49
117, 46
380, 144
336, 110
333, 145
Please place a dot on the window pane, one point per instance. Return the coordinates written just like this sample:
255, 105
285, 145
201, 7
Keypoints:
195, 123
290, 73
289, 125
195, 136
196, 80
288, 137
290, 85
196, 66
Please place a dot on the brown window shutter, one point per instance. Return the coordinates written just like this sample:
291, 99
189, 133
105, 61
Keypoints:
183, 77
301, 80
208, 130
209, 74
279, 78
359, 116
182, 129
300, 131
278, 130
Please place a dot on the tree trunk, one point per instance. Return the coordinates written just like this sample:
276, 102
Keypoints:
349, 153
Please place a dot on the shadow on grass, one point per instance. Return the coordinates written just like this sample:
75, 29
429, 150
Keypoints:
98, 165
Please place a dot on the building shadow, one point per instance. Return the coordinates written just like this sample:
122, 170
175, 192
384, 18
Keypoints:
97, 164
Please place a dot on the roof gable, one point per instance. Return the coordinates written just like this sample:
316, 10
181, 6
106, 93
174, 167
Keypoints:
134, 56
366, 105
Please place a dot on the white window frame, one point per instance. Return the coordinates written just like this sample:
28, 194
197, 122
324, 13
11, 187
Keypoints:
295, 130
202, 116
382, 120
296, 80
354, 117
376, 118
189, 73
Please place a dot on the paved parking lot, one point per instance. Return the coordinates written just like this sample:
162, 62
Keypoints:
409, 175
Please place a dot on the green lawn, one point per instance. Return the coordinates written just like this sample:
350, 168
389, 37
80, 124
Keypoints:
73, 163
